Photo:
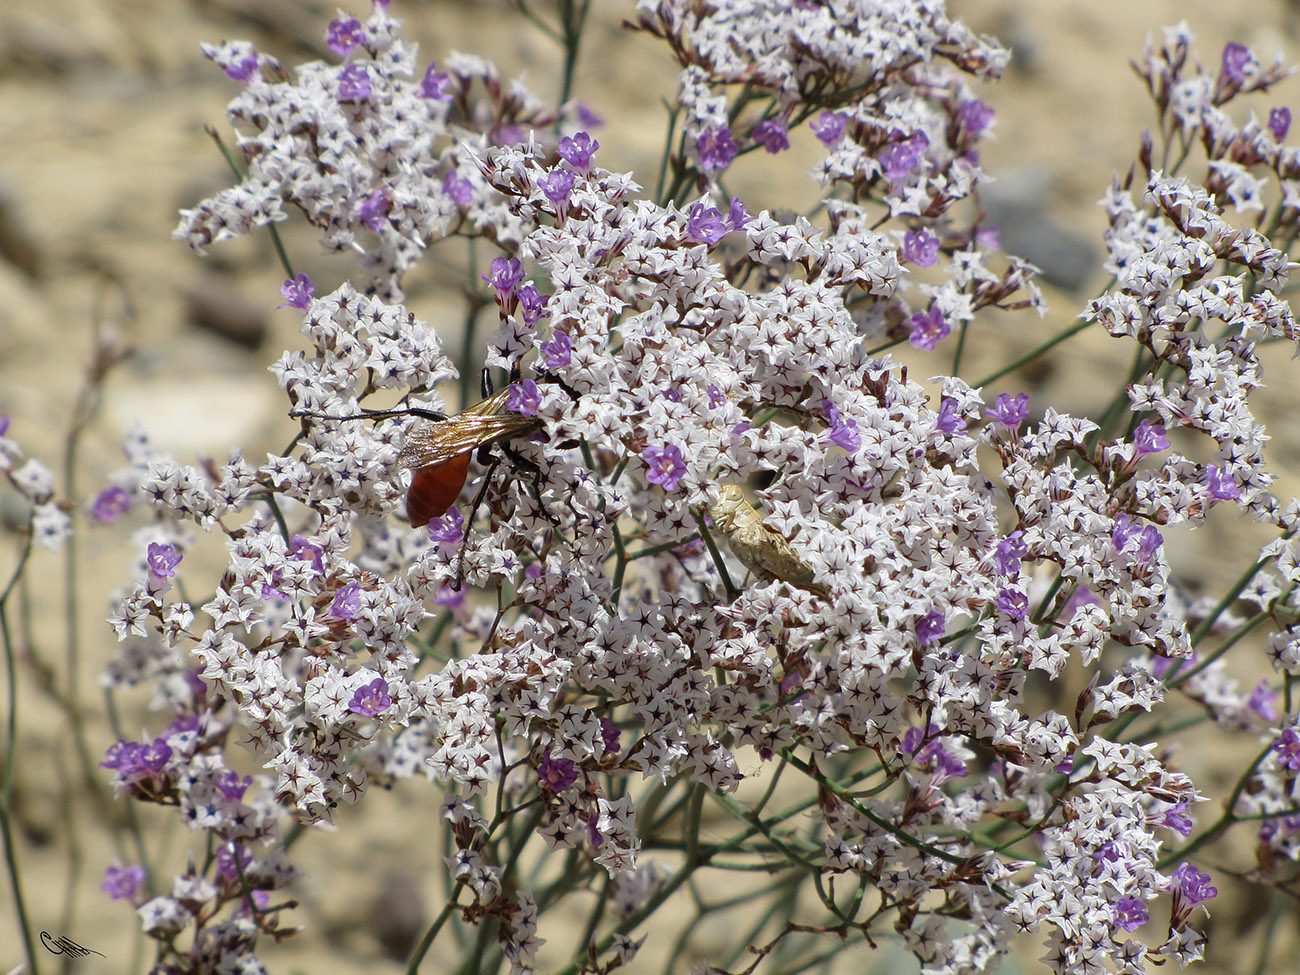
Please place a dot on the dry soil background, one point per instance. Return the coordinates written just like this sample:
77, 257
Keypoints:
102, 109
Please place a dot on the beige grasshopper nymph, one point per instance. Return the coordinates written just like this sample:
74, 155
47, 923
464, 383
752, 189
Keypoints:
763, 550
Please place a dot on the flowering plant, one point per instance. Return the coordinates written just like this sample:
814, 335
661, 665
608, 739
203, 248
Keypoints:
746, 567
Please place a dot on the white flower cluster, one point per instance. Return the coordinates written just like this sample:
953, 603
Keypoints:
380, 161
941, 555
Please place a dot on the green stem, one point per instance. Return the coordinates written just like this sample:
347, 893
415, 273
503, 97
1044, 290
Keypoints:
7, 783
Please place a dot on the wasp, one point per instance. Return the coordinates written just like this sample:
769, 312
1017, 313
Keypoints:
439, 453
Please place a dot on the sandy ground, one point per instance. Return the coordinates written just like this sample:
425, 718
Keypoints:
102, 109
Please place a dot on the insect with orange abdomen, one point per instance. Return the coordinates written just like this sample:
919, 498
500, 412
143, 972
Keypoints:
438, 454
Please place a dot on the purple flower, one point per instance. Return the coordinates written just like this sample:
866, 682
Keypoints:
1237, 59
609, 735
1166, 668
1221, 487
449, 528
975, 117
1149, 438
929, 328
1009, 552
354, 83
304, 551
1126, 530
920, 248
346, 602
459, 189
232, 858
507, 274
588, 118
716, 148
244, 68
1013, 603
828, 127
556, 774
134, 760
771, 135
1149, 543
949, 421
901, 157
556, 186
843, 433
913, 738
371, 699
1193, 885
162, 559
435, 84
706, 225
533, 304
1130, 913
666, 465
524, 398
737, 215
1176, 818
557, 352
121, 883
1287, 747
231, 786
1279, 122
297, 292
577, 150
946, 765
510, 135
1108, 851
111, 502
374, 210
344, 35
1123, 530
988, 238
1010, 412
930, 628
716, 397
1082, 596
1263, 701
450, 598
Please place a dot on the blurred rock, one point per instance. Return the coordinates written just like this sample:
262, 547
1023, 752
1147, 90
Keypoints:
17, 245
396, 917
197, 413
1018, 206
212, 303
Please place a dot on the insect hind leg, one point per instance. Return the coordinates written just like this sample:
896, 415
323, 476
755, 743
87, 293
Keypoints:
493, 462
534, 480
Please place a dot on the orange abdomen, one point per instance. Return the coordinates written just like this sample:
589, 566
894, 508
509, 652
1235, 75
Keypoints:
435, 488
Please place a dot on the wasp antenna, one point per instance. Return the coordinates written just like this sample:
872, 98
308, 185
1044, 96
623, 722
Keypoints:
296, 414
376, 414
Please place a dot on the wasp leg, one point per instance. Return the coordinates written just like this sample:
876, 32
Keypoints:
492, 463
534, 481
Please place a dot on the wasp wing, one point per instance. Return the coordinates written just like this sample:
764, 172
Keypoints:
482, 423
